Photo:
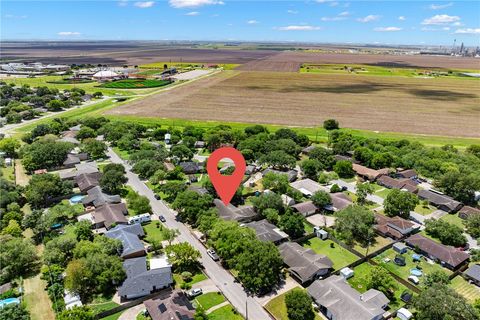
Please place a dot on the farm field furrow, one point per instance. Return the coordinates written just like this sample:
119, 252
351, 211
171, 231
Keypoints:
446, 107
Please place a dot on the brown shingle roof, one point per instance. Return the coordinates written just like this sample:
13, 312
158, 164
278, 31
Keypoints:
172, 305
467, 212
87, 181
109, 214
447, 254
395, 227
370, 174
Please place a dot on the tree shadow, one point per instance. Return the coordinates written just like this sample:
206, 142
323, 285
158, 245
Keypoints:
441, 95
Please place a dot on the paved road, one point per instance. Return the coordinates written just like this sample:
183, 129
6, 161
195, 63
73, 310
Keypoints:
222, 279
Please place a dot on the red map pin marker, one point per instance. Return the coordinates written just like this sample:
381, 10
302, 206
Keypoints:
226, 186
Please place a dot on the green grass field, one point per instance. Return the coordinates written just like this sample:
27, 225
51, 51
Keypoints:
197, 276
100, 307
340, 256
360, 69
454, 219
278, 309
210, 299
469, 291
152, 232
380, 242
134, 84
8, 173
404, 271
360, 283
424, 210
225, 313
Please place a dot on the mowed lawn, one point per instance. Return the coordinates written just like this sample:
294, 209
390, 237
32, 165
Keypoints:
278, 308
225, 313
152, 232
379, 243
404, 271
340, 256
210, 299
470, 291
359, 282
37, 300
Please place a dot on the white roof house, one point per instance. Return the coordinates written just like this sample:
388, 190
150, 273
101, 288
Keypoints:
346, 273
404, 314
105, 74
71, 300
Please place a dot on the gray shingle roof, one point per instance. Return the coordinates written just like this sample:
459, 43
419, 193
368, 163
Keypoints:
109, 214
129, 236
474, 272
232, 213
439, 199
266, 231
96, 197
86, 181
344, 302
304, 263
306, 186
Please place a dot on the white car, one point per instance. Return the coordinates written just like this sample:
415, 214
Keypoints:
213, 254
195, 292
414, 279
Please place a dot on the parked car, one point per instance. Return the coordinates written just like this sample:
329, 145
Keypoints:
195, 292
213, 254
162, 218
413, 279
157, 196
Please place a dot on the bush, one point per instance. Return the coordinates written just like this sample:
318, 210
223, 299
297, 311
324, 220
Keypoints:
331, 124
186, 276
335, 188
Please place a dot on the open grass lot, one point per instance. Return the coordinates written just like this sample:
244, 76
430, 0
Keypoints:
210, 299
379, 243
8, 173
364, 69
383, 192
37, 300
114, 316
470, 291
134, 84
197, 276
225, 313
104, 306
340, 257
404, 271
360, 283
278, 309
152, 232
454, 219
391, 104
424, 210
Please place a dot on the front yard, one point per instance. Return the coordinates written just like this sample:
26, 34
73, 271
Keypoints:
278, 309
360, 283
454, 219
340, 256
225, 313
404, 271
424, 210
152, 232
197, 276
210, 299
470, 291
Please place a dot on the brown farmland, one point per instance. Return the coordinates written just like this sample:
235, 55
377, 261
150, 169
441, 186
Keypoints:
444, 107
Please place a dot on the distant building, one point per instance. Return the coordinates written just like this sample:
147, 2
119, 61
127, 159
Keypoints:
467, 211
306, 208
106, 75
307, 186
369, 174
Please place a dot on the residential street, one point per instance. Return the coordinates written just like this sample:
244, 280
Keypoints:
222, 278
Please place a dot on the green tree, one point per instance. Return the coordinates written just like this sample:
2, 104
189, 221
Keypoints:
112, 181
474, 149
275, 182
181, 152
9, 146
321, 199
271, 215
278, 159
95, 149
330, 124
363, 190
311, 168
18, 257
293, 224
355, 223
299, 305
268, 200
45, 153
14, 312
436, 277
13, 229
440, 302
170, 234
473, 225
400, 203
182, 256
77, 313
259, 266
44, 188
172, 189
139, 204
146, 168
447, 233
344, 169
380, 279
85, 133
83, 230
460, 185
56, 105
190, 205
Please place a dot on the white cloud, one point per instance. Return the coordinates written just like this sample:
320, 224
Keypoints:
122, 3
457, 24
402, 18
440, 19
440, 6
144, 4
12, 16
299, 28
69, 33
344, 14
252, 22
193, 13
369, 18
333, 18
387, 29
331, 3
292, 11
446, 28
193, 3
468, 31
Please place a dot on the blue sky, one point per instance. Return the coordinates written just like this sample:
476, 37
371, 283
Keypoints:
384, 22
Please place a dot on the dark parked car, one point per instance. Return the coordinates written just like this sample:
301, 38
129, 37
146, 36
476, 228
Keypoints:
400, 260
162, 218
157, 196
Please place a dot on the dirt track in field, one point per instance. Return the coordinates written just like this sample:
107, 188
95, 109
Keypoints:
426, 106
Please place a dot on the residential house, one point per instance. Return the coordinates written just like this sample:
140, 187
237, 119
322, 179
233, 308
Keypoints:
308, 149
87, 181
306, 208
304, 263
395, 227
400, 247
190, 167
232, 213
339, 202
291, 174
267, 232
141, 281
467, 211
170, 305
199, 144
473, 274
80, 168
307, 186
368, 173
98, 198
69, 139
407, 174
110, 214
402, 184
74, 159
5, 287
448, 256
288, 201
439, 200
129, 236
339, 301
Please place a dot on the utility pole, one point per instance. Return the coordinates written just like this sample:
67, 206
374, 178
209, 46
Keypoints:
246, 307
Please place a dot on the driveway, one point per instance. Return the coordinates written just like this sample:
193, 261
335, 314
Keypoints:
131, 314
206, 285
289, 284
320, 220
